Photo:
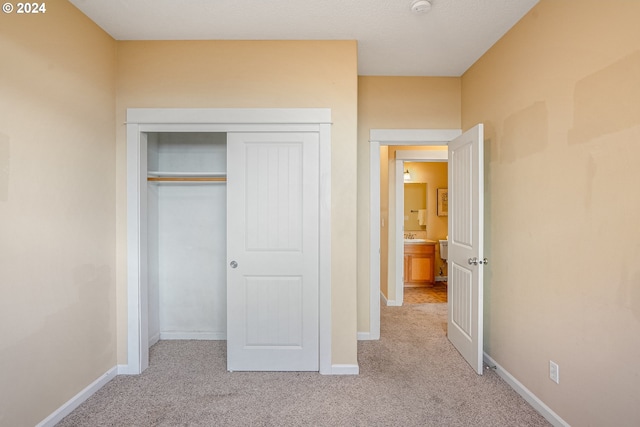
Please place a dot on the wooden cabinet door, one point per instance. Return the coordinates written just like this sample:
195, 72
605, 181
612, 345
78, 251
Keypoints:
421, 268
419, 264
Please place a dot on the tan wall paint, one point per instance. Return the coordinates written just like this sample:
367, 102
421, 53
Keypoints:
415, 199
254, 74
57, 210
560, 99
394, 103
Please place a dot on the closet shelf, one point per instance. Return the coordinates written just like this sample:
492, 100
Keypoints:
185, 174
161, 176
185, 179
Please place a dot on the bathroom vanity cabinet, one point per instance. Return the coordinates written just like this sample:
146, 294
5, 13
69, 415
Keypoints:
419, 261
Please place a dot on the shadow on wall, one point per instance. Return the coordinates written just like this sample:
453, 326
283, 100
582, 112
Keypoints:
595, 113
530, 124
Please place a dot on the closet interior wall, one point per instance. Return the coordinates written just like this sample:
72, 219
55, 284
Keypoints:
186, 197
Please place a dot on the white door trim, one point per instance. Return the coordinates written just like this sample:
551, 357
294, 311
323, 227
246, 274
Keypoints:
397, 180
378, 138
140, 120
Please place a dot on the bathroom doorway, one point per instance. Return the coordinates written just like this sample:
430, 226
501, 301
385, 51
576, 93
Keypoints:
419, 220
465, 230
424, 219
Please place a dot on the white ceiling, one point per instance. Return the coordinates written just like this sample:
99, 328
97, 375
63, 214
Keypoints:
392, 40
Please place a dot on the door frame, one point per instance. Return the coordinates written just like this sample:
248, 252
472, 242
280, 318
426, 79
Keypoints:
143, 120
378, 138
402, 156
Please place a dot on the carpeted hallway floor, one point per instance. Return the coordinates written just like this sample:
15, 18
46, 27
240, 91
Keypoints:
411, 377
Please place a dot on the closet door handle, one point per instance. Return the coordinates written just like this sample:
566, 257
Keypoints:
233, 264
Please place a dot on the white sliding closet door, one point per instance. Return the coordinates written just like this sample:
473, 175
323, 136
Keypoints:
272, 251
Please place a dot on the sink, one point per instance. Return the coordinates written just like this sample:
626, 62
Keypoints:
418, 241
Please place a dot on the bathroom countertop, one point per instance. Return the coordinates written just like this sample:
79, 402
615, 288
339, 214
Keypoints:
419, 242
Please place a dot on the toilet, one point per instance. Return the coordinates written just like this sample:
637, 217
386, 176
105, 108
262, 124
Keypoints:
444, 253
444, 249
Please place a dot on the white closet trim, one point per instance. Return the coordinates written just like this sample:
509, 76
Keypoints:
240, 116
142, 120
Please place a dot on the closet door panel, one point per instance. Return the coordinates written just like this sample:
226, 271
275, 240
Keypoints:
273, 213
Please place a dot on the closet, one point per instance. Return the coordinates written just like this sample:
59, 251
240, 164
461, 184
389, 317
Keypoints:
186, 235
228, 234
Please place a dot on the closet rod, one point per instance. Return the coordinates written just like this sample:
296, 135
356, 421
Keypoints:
185, 179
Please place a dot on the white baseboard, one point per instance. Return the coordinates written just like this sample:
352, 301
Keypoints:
212, 336
77, 400
383, 299
364, 336
126, 370
531, 398
154, 339
441, 278
388, 302
346, 369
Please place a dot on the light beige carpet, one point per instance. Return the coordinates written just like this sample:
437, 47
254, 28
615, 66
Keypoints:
411, 377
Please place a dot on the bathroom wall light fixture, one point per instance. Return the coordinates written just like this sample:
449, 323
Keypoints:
407, 175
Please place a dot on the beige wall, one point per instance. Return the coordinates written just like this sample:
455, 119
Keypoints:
250, 74
560, 99
415, 199
57, 210
559, 96
394, 103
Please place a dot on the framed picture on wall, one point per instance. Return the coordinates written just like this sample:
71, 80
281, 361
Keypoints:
443, 201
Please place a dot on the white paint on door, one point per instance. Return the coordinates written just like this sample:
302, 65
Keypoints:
466, 206
272, 220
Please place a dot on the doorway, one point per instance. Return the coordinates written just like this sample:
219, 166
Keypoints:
398, 219
424, 222
379, 225
465, 231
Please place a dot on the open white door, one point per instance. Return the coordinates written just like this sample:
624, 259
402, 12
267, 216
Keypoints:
466, 257
272, 251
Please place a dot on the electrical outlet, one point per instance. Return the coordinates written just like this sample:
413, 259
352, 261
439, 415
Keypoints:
554, 372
